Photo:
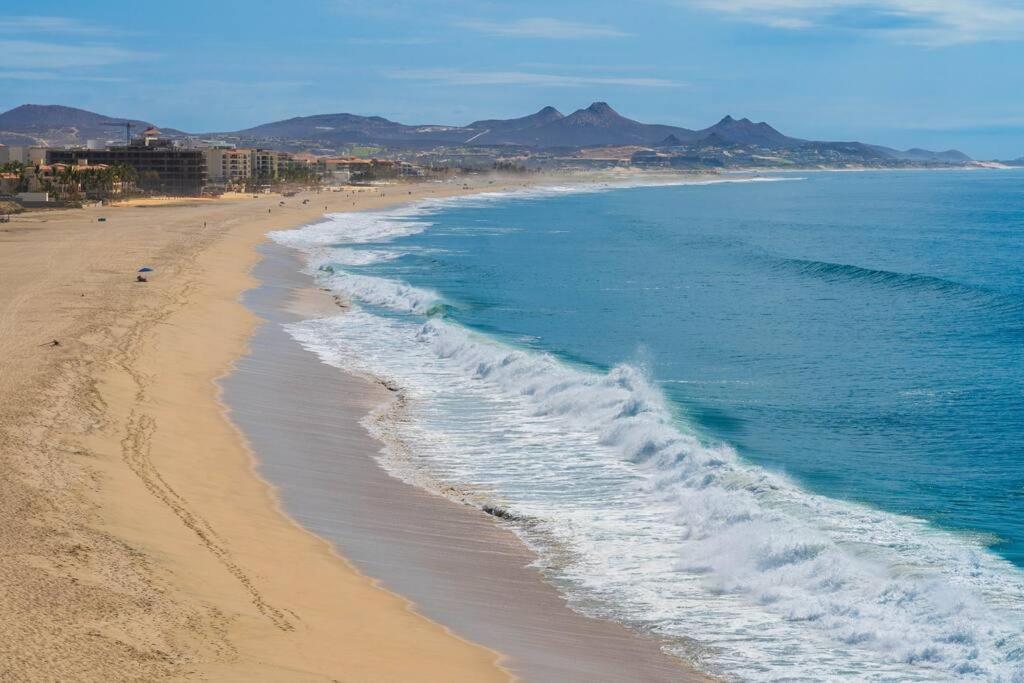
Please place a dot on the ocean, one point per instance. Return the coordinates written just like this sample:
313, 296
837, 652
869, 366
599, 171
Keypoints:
777, 421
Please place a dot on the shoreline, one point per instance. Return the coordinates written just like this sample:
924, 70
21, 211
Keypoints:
303, 418
139, 543
142, 544
442, 268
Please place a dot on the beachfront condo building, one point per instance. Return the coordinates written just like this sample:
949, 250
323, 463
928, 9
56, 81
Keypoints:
161, 166
224, 165
268, 163
230, 164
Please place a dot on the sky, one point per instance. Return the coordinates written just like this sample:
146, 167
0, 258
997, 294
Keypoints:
937, 74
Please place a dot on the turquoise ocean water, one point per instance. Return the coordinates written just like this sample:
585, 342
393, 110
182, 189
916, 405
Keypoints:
780, 421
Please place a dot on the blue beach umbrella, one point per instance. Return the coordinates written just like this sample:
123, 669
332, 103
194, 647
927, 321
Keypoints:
145, 269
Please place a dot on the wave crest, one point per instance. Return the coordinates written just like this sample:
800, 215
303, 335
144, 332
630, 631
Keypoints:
668, 532
810, 570
843, 272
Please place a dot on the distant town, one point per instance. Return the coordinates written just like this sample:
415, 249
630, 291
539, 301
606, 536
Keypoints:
45, 160
151, 164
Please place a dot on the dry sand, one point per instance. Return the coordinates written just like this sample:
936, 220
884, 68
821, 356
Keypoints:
136, 543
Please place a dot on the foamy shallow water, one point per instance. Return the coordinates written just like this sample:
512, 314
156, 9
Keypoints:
640, 518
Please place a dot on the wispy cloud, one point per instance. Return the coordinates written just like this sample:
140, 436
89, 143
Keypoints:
541, 27
412, 40
49, 48
469, 78
53, 25
235, 88
56, 76
399, 9
612, 66
933, 23
28, 76
32, 54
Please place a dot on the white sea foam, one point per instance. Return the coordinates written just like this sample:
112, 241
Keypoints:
382, 292
639, 520
674, 535
384, 226
363, 257
356, 228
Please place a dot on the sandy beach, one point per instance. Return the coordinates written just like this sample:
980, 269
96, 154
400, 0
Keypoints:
138, 541
459, 567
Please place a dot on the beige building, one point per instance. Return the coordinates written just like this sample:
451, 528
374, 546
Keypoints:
228, 164
268, 163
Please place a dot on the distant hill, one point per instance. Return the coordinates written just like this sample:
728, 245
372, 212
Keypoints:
746, 132
597, 125
524, 123
53, 125
341, 127
951, 156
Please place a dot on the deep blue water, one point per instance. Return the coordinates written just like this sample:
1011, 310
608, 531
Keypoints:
860, 332
780, 422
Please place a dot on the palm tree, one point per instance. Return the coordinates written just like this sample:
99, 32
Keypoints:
67, 183
126, 176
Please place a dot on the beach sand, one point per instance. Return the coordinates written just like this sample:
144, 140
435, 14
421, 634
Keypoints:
137, 541
456, 563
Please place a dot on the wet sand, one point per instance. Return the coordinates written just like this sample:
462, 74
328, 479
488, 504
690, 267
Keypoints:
456, 563
137, 544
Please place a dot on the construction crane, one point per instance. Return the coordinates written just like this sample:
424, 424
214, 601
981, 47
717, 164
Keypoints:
127, 125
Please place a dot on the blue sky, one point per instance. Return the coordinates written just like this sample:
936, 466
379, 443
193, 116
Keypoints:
929, 73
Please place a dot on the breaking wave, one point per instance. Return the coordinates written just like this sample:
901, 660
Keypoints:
648, 504
638, 519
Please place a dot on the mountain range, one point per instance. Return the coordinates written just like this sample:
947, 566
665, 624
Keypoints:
594, 126
597, 125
